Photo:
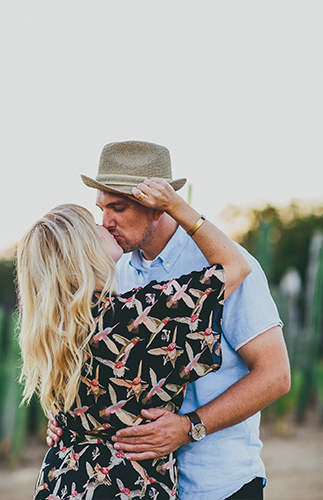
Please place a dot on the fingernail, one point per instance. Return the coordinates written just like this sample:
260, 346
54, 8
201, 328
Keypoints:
128, 457
114, 438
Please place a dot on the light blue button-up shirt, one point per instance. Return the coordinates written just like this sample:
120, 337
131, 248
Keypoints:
223, 462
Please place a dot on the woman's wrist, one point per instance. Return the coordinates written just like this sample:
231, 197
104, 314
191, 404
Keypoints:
198, 224
183, 213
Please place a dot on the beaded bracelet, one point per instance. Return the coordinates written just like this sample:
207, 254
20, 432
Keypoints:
196, 226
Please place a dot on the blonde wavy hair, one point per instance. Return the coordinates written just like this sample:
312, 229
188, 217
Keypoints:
60, 264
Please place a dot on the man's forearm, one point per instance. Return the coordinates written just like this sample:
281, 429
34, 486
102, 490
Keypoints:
267, 380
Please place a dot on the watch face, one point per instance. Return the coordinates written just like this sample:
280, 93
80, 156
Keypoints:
198, 432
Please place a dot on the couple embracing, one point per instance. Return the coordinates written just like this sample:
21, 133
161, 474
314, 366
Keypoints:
152, 339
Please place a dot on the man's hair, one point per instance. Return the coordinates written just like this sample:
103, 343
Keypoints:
60, 264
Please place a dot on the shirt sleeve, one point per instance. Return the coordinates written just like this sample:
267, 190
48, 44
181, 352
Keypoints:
250, 310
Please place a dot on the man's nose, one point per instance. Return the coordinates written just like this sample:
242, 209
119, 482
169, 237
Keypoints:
108, 221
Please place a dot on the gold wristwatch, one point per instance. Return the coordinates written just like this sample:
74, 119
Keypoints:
198, 429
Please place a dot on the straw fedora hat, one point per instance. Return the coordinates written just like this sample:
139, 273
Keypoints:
123, 165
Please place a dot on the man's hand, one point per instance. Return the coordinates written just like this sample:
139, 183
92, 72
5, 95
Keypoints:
167, 432
53, 431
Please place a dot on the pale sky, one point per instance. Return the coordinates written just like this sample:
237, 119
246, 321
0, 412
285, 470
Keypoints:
233, 88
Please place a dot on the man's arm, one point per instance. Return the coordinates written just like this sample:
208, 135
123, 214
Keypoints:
268, 379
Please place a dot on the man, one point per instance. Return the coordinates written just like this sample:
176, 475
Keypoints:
225, 463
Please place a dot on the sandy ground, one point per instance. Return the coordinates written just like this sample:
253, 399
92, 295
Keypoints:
294, 465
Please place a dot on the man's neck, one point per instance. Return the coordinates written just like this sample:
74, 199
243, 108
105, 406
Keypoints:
165, 229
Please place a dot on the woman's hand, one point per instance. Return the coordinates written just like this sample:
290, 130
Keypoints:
54, 432
157, 194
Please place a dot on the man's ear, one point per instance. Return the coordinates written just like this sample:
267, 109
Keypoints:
157, 214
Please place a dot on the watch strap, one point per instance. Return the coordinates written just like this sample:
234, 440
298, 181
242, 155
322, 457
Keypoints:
194, 418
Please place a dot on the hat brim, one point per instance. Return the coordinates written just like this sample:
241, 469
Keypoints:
125, 189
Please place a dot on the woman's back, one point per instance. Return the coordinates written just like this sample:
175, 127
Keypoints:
149, 343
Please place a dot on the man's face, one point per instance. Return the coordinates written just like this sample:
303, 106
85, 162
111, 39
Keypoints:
130, 223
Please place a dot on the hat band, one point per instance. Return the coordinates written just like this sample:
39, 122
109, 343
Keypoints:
121, 180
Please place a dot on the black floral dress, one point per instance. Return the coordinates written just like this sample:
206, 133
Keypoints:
149, 344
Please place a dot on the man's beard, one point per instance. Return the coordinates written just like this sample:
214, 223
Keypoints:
130, 246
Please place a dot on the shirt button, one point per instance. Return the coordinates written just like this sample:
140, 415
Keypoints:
167, 265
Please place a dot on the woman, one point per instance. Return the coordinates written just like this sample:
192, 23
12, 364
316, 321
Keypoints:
97, 358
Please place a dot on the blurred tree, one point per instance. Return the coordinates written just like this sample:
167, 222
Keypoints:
280, 238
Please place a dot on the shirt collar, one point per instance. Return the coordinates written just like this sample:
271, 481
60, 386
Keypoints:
168, 256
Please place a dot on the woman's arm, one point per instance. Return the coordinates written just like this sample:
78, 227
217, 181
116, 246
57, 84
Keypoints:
216, 246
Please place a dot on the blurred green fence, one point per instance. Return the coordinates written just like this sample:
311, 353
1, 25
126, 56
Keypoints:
15, 422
